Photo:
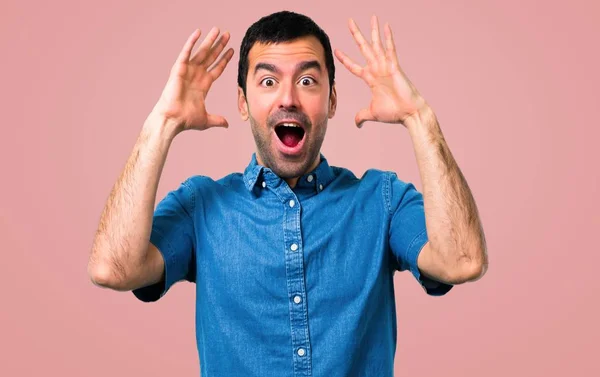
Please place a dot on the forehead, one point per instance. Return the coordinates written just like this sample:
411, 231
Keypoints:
286, 53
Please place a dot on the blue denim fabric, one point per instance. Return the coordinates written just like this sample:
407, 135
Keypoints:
292, 282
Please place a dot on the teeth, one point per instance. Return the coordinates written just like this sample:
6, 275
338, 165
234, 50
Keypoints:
289, 125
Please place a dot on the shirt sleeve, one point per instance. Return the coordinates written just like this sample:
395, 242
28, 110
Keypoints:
408, 233
173, 234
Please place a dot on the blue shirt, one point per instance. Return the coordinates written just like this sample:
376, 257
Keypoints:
292, 282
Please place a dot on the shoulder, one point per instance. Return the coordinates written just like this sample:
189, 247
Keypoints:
205, 187
202, 182
369, 176
372, 184
385, 184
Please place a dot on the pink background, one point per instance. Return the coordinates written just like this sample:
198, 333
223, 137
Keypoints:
514, 84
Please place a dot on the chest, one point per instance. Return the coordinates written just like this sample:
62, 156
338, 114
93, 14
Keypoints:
275, 247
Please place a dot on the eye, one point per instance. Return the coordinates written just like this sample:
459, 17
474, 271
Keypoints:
307, 81
267, 81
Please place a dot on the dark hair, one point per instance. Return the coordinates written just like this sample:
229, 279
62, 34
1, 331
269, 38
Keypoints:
284, 26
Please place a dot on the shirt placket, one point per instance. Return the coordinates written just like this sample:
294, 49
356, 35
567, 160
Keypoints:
294, 266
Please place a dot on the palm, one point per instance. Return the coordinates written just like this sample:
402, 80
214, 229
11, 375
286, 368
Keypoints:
184, 96
394, 98
391, 98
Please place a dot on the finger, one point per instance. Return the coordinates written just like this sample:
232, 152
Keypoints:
216, 70
360, 40
375, 38
362, 116
356, 69
200, 55
216, 49
186, 51
216, 121
389, 45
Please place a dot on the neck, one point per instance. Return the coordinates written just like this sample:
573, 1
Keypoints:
293, 180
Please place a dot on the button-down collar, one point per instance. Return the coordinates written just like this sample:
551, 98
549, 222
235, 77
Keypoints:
317, 179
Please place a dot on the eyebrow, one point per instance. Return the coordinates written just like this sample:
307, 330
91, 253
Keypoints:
302, 66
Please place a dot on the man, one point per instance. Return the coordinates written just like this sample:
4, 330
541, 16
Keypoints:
293, 258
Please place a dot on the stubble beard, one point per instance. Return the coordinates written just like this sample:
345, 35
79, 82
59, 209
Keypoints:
286, 169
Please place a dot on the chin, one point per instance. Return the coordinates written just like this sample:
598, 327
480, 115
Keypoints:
290, 169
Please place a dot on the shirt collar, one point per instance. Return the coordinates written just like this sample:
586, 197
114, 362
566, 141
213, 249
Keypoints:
318, 178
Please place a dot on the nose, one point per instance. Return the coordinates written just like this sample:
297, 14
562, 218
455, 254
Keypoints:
288, 97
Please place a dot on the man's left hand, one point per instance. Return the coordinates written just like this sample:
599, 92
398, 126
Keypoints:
394, 98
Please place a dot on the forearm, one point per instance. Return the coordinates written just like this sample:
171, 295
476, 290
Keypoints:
453, 224
122, 238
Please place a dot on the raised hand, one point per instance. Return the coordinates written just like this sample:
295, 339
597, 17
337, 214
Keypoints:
394, 97
183, 98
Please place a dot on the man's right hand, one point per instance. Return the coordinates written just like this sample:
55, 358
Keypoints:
122, 257
182, 102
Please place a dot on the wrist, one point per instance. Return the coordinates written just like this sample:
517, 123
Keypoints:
159, 126
424, 117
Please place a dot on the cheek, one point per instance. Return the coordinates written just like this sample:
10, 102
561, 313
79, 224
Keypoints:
259, 106
258, 110
316, 106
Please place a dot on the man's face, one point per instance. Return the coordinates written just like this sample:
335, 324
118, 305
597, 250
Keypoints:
288, 104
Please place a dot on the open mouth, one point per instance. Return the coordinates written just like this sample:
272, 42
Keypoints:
290, 134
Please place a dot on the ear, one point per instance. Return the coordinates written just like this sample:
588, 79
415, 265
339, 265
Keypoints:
242, 104
332, 101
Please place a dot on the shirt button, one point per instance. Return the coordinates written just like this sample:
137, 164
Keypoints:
292, 203
309, 178
301, 352
294, 247
297, 299
264, 184
320, 187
